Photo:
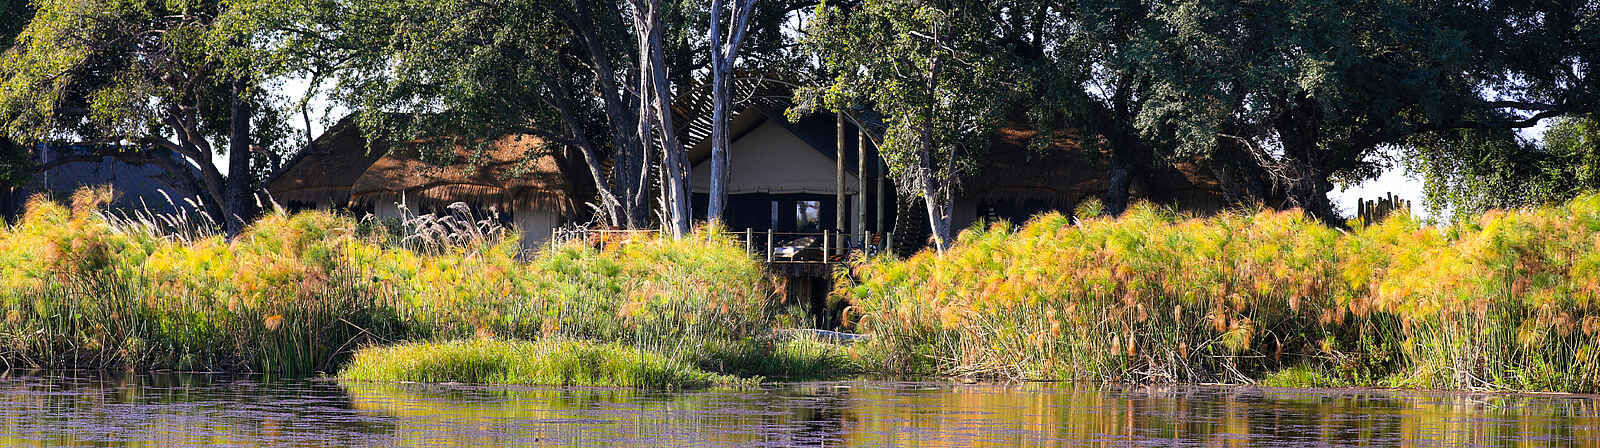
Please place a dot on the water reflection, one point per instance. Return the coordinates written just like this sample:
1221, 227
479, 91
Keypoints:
199, 410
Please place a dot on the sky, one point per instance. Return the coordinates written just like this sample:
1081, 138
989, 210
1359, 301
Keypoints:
1405, 185
1395, 180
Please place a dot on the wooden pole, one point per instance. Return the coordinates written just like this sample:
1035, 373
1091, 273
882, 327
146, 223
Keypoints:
769, 245
861, 184
825, 246
883, 194
839, 210
749, 240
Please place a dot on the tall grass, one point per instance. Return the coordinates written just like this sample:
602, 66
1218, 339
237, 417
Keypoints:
552, 362
299, 293
1505, 301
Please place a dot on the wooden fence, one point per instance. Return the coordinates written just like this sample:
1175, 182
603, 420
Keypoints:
770, 246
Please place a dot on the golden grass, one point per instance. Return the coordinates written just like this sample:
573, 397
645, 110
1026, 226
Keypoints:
297, 293
1504, 301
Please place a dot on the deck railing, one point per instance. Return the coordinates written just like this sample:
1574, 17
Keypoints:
767, 245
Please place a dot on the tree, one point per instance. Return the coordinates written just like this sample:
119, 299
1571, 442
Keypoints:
143, 76
655, 111
934, 69
1469, 171
1313, 89
560, 70
15, 165
596, 80
724, 39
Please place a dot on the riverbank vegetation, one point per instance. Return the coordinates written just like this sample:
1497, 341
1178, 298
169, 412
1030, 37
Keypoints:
1507, 300
298, 293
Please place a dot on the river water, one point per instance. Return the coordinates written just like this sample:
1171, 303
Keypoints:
205, 410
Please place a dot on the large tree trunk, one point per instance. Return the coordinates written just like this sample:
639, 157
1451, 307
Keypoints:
939, 197
1118, 181
629, 153
1308, 189
1115, 121
939, 207
657, 92
1303, 176
237, 198
938, 203
723, 56
716, 205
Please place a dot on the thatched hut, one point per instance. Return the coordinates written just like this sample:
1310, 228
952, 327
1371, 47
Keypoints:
1015, 182
512, 178
320, 177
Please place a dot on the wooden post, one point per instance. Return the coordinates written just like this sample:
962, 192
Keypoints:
839, 210
749, 240
825, 246
883, 194
861, 184
769, 245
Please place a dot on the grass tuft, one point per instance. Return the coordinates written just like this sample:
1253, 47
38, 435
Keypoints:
549, 362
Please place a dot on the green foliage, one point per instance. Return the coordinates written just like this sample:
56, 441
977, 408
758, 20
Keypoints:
1503, 301
111, 69
145, 79
797, 357
1469, 172
936, 72
549, 362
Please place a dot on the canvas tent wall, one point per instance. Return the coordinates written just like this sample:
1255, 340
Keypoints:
783, 175
139, 181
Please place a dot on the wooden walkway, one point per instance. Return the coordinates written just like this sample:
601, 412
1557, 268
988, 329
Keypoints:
793, 254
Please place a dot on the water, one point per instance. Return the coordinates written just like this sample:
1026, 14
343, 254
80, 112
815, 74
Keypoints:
201, 410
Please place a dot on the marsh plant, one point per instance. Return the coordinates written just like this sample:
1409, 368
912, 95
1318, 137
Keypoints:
1507, 300
298, 293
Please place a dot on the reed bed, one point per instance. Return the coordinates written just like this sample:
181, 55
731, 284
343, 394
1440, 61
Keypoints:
299, 293
1504, 301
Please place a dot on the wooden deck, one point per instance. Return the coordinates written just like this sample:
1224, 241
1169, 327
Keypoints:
790, 254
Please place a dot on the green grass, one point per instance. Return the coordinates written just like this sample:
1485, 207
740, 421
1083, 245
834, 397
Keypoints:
789, 359
549, 362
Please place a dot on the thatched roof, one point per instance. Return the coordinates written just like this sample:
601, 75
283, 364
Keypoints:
513, 170
325, 172
1068, 171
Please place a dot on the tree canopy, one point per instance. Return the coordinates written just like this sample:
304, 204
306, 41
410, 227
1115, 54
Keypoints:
152, 78
932, 68
1281, 100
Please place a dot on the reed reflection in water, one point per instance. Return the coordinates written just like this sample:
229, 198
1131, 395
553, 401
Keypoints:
199, 410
